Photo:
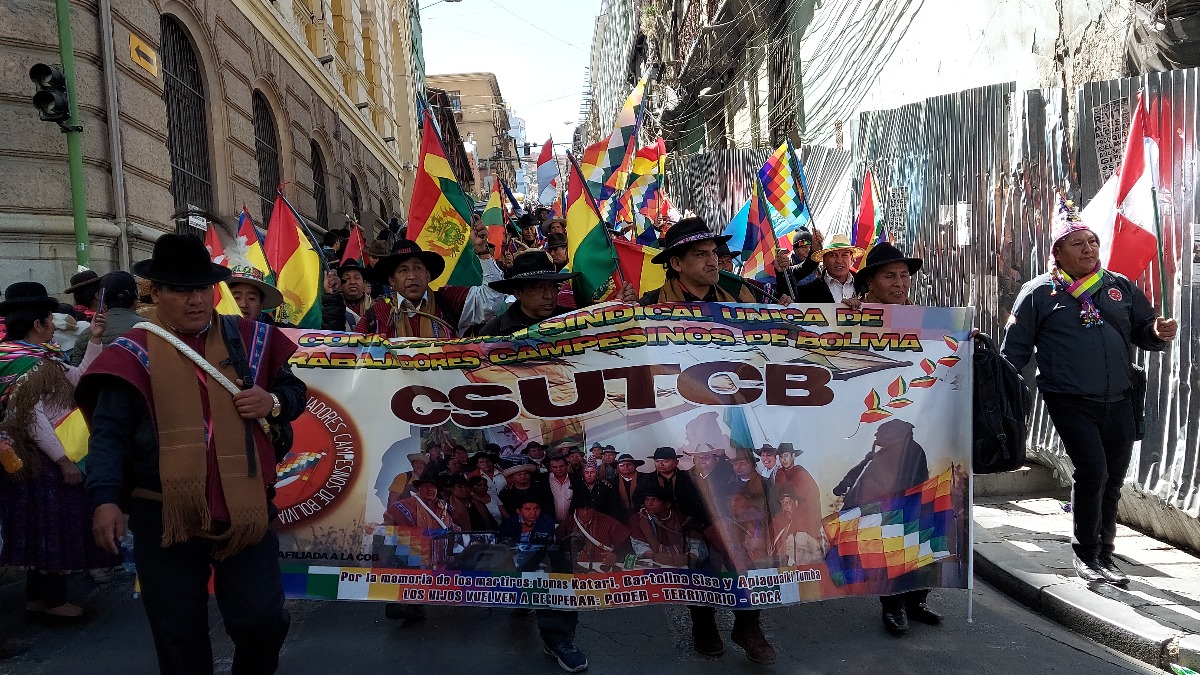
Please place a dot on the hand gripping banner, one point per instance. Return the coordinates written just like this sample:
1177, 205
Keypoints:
727, 455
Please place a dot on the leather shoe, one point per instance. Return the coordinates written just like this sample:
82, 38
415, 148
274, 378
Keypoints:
895, 622
706, 639
748, 634
1111, 573
920, 612
1088, 570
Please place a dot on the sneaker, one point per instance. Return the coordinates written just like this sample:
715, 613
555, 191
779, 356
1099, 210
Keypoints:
1088, 570
1109, 570
569, 658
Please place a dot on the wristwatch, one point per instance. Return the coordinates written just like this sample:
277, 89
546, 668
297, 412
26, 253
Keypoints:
277, 408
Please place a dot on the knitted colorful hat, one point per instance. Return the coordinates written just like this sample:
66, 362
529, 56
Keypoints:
1065, 220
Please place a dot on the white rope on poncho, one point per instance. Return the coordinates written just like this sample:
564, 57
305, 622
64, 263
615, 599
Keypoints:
200, 361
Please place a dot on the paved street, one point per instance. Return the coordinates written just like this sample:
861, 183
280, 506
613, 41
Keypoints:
843, 636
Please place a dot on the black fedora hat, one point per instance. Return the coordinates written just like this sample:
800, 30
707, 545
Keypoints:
530, 266
687, 231
27, 295
629, 458
665, 453
82, 280
353, 265
405, 250
180, 260
882, 254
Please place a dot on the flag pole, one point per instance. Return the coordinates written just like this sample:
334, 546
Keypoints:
1162, 268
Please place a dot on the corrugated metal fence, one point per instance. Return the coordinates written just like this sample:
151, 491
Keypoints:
975, 173
968, 181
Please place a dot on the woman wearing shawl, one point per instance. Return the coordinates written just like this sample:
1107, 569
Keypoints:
44, 515
1082, 322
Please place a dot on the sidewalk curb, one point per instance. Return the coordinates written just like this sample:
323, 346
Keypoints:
1109, 622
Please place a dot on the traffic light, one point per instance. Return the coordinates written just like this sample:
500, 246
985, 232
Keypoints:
51, 98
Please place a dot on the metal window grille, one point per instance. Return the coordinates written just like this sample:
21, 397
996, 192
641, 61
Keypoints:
266, 152
355, 200
319, 191
187, 124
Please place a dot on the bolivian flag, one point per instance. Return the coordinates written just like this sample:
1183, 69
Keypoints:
439, 215
637, 267
589, 248
493, 217
297, 268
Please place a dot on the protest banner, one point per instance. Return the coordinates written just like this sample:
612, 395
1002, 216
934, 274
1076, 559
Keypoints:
819, 451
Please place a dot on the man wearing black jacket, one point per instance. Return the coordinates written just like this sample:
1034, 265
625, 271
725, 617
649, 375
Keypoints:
835, 282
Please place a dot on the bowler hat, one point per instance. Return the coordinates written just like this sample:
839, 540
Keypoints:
27, 295
530, 266
882, 254
82, 280
629, 458
685, 232
555, 240
180, 260
665, 453
405, 250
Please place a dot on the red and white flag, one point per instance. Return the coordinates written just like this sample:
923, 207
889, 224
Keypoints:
547, 174
1123, 213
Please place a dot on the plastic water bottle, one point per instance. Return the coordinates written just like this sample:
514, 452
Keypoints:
127, 553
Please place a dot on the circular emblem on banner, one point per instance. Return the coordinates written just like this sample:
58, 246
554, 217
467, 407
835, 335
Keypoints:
322, 465
1115, 294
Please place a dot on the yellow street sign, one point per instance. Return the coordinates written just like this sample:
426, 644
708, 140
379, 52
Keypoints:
143, 55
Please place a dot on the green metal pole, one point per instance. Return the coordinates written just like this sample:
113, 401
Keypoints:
74, 132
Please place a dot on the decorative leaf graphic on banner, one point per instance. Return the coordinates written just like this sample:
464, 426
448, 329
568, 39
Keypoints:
872, 400
928, 366
951, 343
874, 415
948, 361
899, 403
923, 382
897, 387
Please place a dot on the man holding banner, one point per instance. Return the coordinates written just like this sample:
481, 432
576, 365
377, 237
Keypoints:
690, 258
415, 310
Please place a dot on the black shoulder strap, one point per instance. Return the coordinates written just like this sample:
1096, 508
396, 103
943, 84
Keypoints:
232, 334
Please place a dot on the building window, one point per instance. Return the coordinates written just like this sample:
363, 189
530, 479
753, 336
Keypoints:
355, 200
319, 191
266, 152
187, 124
455, 101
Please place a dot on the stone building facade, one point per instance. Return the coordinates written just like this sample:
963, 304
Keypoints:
482, 117
317, 95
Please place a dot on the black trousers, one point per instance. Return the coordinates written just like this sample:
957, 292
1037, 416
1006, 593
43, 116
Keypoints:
1098, 437
708, 614
899, 601
174, 580
48, 588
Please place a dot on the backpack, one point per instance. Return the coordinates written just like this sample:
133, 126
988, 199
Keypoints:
1001, 404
